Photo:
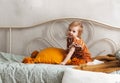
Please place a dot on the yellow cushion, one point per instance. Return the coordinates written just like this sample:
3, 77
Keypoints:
50, 55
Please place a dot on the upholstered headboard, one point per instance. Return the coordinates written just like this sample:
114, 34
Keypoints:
100, 38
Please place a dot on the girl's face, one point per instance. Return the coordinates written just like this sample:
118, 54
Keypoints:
73, 31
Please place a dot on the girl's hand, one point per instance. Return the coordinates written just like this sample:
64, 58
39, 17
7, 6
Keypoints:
62, 63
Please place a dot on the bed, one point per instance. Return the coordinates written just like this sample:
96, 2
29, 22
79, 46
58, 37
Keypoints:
19, 42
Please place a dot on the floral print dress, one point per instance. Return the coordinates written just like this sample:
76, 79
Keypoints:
81, 54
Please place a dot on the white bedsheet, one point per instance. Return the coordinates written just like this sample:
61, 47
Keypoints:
79, 76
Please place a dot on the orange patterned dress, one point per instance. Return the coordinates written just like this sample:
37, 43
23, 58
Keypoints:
81, 54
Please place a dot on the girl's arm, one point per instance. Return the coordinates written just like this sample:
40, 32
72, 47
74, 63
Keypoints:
69, 55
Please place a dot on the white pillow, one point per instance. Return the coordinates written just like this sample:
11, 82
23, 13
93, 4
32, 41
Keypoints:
79, 76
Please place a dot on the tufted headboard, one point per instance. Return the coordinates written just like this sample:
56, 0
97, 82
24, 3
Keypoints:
100, 38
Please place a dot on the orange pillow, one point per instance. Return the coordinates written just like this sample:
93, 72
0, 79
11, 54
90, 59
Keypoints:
50, 55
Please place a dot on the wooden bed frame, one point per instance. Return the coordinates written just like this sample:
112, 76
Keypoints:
101, 39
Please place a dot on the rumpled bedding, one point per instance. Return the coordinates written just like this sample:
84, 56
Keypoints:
13, 71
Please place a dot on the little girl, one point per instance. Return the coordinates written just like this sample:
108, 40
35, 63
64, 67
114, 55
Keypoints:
77, 51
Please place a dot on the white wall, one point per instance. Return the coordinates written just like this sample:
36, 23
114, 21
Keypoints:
28, 12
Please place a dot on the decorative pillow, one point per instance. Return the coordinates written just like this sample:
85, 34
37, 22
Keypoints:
50, 55
79, 76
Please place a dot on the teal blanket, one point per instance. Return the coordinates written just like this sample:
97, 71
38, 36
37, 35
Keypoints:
13, 71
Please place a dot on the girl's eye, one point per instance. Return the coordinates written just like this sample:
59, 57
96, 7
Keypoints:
69, 30
73, 31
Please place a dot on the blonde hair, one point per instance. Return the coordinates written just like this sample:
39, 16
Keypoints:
77, 23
